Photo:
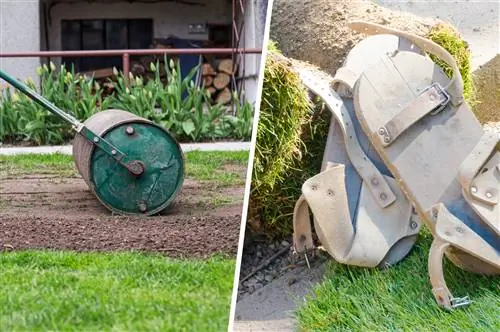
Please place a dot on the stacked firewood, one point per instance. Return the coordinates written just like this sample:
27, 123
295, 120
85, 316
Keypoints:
217, 80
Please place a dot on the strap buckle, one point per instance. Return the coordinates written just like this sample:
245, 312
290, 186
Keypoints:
447, 98
457, 302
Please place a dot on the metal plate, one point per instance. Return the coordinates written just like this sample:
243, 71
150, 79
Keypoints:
149, 193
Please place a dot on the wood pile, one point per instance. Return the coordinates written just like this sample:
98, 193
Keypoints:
217, 80
216, 75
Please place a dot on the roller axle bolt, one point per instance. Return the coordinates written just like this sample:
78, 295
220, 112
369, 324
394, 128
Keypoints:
129, 130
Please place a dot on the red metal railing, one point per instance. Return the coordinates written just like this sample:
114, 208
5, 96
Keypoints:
125, 54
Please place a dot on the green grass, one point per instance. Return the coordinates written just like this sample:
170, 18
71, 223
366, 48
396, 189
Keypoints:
399, 299
448, 38
63, 291
221, 167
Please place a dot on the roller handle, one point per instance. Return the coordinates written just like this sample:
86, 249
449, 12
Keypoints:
135, 167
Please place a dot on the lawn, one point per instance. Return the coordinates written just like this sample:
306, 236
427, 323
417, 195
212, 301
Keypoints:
213, 166
129, 291
399, 299
65, 291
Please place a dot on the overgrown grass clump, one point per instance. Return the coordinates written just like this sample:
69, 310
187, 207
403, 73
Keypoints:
287, 128
180, 106
399, 298
448, 38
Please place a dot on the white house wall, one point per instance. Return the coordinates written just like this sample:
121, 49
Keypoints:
19, 31
255, 20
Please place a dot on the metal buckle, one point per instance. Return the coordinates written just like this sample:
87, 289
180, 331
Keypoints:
457, 302
443, 93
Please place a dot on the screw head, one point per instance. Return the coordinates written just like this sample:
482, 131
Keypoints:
460, 230
381, 131
314, 187
96, 139
387, 139
489, 195
383, 196
413, 225
330, 192
113, 152
473, 189
375, 181
129, 130
142, 206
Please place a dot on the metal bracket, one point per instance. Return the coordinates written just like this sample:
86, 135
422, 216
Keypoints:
442, 92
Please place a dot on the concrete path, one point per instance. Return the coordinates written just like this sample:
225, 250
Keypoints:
68, 149
271, 307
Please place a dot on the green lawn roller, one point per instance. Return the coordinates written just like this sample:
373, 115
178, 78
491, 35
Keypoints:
132, 165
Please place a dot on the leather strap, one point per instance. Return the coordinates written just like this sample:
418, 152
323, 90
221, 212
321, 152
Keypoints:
441, 292
472, 165
302, 234
343, 82
319, 83
454, 87
431, 100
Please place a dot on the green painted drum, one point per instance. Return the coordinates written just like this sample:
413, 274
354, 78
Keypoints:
142, 140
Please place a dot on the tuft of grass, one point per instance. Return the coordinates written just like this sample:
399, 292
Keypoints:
448, 38
200, 165
65, 291
399, 298
285, 110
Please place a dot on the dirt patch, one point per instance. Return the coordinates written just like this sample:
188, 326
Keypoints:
487, 82
49, 212
316, 31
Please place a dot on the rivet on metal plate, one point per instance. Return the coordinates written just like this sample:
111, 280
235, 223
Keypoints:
473, 189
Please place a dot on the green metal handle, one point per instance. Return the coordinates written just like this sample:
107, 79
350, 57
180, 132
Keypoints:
135, 167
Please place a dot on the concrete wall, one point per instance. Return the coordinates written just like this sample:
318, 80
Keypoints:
19, 31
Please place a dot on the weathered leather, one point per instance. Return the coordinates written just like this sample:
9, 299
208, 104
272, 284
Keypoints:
422, 105
319, 83
454, 88
377, 228
436, 177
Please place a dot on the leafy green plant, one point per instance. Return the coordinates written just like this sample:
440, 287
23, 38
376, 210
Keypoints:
180, 106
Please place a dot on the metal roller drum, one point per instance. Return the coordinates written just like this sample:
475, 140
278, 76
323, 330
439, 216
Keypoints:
140, 139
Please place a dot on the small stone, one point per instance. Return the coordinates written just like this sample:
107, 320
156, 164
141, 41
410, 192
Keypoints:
285, 243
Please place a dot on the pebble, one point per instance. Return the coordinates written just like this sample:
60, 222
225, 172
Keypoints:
253, 256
